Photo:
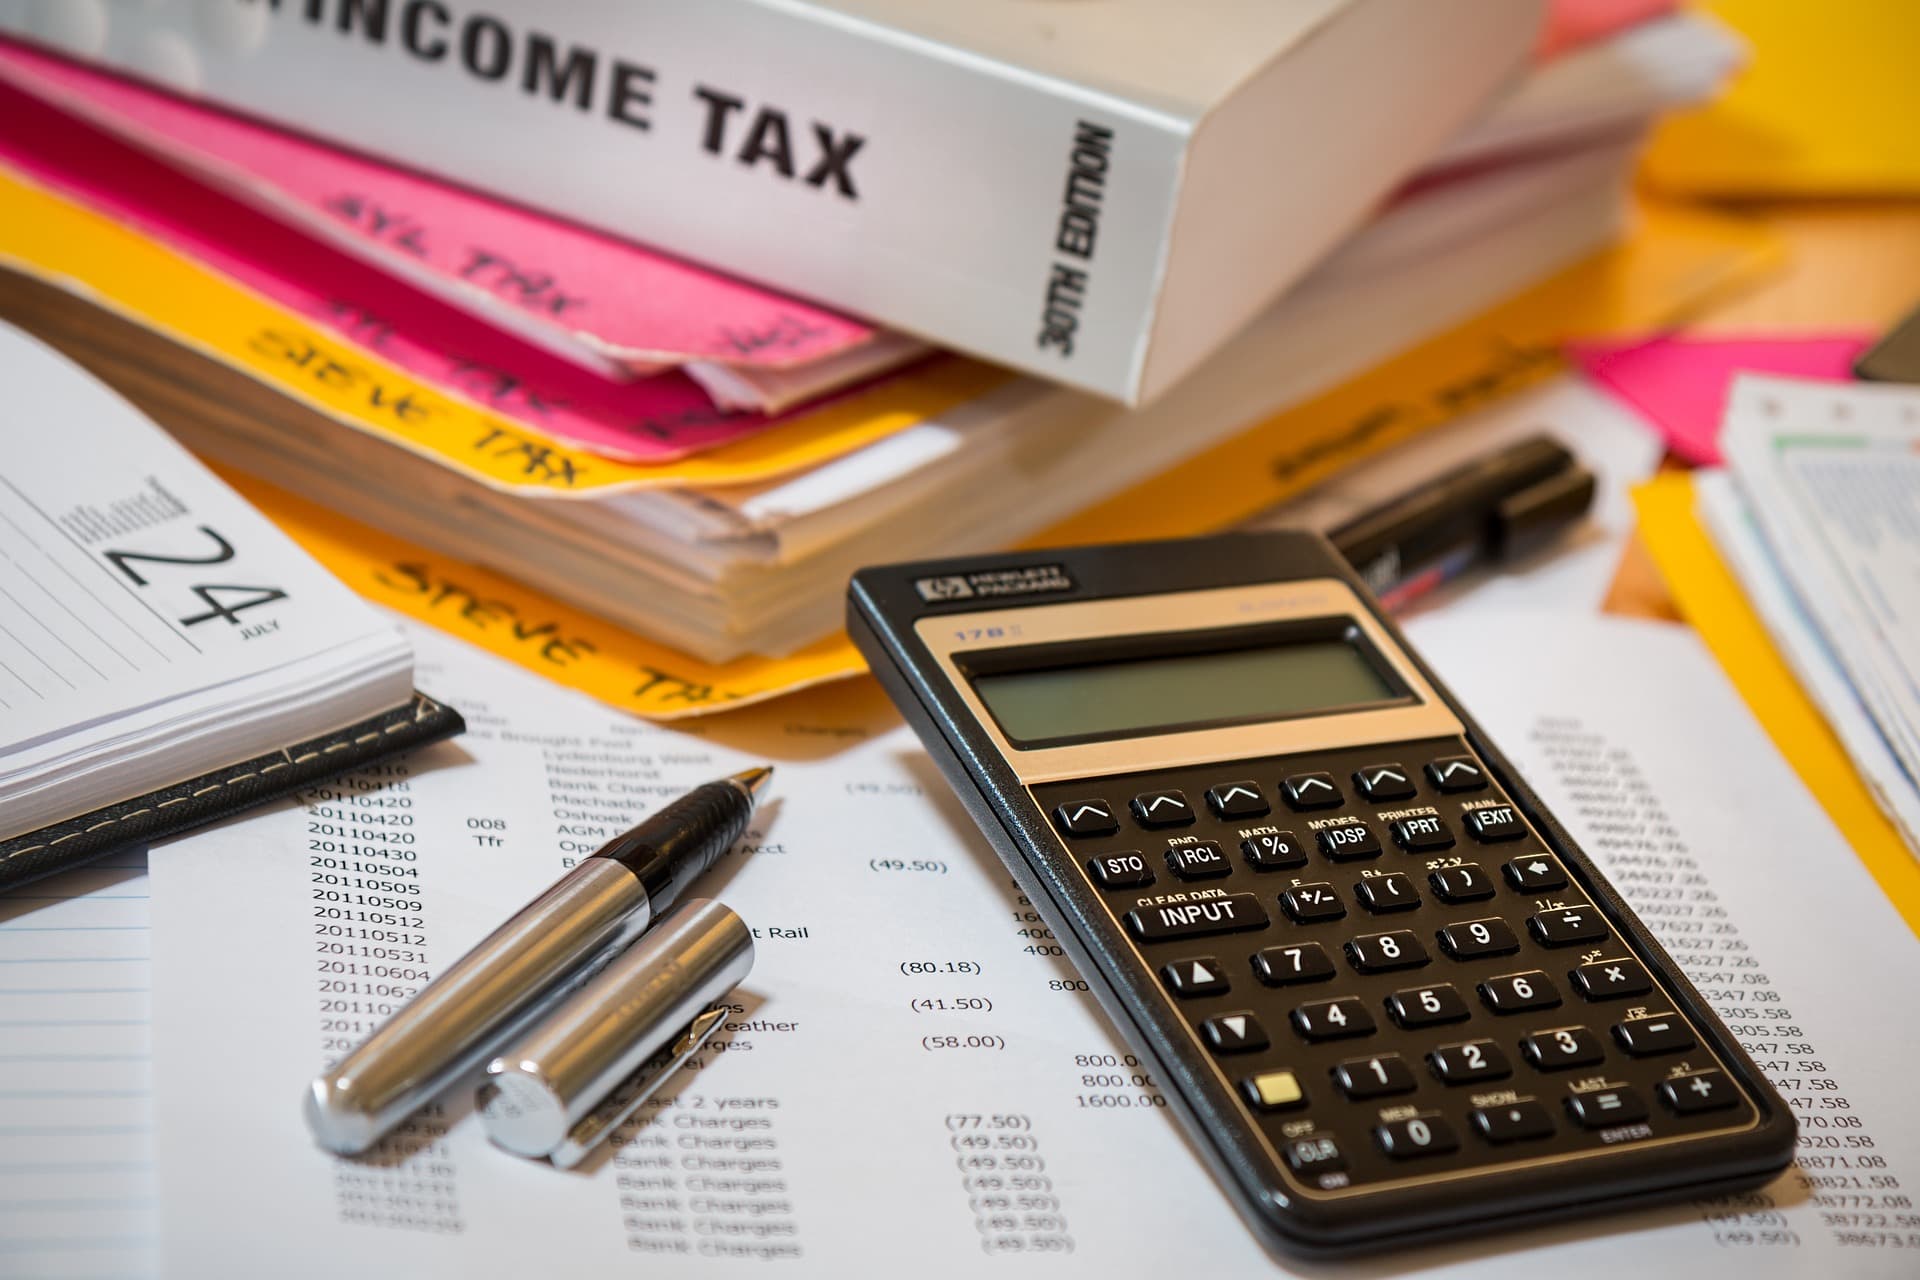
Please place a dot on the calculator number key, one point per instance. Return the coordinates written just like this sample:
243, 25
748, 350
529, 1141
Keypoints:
1273, 851
1423, 1135
1332, 1019
1374, 1077
1494, 824
1519, 992
1379, 782
1378, 952
1562, 1048
1468, 882
1393, 892
1201, 861
1427, 1006
1346, 843
1284, 966
1470, 1062
1308, 903
1567, 926
1120, 871
1610, 979
1472, 939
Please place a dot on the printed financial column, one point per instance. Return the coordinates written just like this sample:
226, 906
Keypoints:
1860, 1201
370, 923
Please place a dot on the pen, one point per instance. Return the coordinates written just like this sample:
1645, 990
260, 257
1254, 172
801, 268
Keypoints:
594, 1061
551, 946
1494, 508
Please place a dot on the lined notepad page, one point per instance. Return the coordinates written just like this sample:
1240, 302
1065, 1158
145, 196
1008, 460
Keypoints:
76, 1081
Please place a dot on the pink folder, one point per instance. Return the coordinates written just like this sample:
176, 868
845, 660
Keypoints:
649, 420
590, 296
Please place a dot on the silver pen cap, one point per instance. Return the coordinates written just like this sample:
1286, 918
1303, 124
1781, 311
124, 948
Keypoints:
568, 1082
485, 999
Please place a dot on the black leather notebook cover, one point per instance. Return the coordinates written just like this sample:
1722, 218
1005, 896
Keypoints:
212, 796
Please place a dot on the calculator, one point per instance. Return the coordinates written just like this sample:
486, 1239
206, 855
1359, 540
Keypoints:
1390, 998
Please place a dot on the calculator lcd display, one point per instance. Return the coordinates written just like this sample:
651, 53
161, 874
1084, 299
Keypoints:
1059, 704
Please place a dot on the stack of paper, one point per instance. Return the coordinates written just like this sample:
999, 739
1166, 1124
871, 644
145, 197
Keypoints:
416, 356
1818, 513
155, 627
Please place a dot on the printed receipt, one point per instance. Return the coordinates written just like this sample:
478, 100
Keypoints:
912, 1080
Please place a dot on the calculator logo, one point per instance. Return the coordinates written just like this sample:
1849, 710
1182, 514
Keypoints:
954, 588
1016, 580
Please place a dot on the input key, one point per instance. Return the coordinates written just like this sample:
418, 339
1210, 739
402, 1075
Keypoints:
1230, 914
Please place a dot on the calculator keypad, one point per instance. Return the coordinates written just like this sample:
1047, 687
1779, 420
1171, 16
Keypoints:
1385, 999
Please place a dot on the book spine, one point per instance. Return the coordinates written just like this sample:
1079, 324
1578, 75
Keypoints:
1015, 217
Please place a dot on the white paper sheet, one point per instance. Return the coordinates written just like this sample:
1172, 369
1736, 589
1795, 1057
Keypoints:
76, 1083
1740, 543
1831, 474
912, 1085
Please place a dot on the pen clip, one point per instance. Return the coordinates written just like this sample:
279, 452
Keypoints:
625, 1098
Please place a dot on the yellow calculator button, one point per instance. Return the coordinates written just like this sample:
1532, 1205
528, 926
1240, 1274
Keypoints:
1274, 1089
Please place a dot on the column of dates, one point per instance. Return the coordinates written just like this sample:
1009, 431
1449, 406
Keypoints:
370, 958
1630, 833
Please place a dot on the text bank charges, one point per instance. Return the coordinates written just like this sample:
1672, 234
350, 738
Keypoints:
1391, 999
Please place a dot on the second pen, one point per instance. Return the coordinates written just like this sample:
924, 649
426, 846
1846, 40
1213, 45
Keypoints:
552, 945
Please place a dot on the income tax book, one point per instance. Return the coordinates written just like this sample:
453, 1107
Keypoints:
167, 656
1098, 194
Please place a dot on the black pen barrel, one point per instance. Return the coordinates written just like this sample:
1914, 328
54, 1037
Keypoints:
673, 847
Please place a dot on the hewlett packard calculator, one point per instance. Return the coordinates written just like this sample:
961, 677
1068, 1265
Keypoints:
1391, 999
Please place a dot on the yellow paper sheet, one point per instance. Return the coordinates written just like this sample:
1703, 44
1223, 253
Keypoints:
64, 243
1829, 105
1675, 261
532, 629
1710, 598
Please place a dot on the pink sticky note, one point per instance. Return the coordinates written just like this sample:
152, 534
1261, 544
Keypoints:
1572, 23
612, 300
1679, 385
650, 420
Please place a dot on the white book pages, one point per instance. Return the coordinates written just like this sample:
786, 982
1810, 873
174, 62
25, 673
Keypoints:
1614, 83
